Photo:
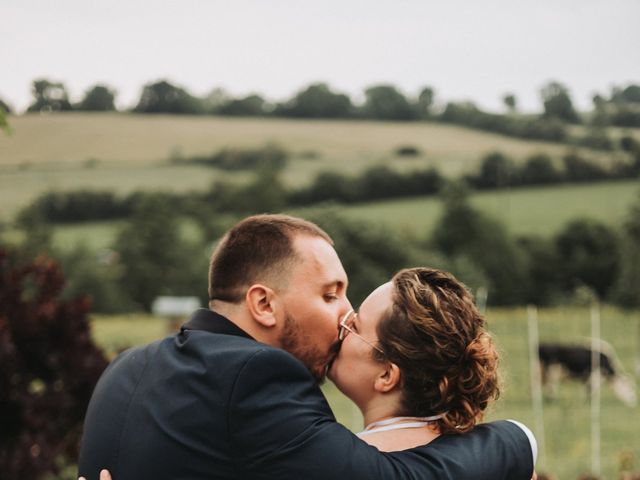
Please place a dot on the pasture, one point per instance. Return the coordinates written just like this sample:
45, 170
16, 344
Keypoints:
127, 152
542, 211
566, 451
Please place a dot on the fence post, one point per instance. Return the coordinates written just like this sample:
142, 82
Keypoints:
481, 299
536, 384
595, 388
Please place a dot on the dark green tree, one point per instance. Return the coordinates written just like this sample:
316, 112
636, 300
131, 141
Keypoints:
510, 102
155, 259
589, 253
496, 171
599, 103
557, 103
543, 275
581, 169
426, 98
627, 290
317, 101
49, 96
5, 108
264, 194
370, 254
539, 170
380, 182
36, 232
463, 231
96, 275
629, 94
163, 97
98, 98
252, 105
4, 124
215, 99
327, 186
385, 102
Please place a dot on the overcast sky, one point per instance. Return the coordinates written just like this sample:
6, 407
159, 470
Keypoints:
466, 49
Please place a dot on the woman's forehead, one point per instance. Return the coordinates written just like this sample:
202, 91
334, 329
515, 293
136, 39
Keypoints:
377, 303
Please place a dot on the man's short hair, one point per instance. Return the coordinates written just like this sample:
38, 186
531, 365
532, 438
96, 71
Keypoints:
258, 249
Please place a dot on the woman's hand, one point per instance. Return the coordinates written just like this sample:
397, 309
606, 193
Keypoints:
104, 475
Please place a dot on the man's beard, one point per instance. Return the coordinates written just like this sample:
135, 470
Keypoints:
301, 346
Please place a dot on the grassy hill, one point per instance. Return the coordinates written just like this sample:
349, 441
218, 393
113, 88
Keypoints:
125, 152
539, 210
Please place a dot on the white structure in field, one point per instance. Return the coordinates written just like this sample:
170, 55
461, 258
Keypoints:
174, 309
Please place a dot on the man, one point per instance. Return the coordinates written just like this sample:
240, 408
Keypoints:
235, 394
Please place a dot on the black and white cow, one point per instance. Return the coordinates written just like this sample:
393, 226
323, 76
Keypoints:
558, 361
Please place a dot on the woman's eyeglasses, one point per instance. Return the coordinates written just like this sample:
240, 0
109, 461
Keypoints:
346, 327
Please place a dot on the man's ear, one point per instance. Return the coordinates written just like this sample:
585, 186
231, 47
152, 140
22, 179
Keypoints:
388, 378
261, 305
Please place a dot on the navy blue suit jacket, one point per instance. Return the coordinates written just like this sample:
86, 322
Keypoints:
211, 402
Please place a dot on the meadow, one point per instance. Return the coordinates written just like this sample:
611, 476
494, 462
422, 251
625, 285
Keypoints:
565, 449
527, 211
127, 152
531, 211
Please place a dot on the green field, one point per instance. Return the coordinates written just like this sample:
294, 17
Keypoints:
541, 211
566, 448
127, 152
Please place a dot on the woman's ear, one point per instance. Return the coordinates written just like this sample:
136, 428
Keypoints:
388, 379
261, 305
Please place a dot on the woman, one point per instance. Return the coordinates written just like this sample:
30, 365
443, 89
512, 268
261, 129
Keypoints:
417, 360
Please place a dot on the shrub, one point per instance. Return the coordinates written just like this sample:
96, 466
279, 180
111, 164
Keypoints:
539, 170
155, 258
233, 159
78, 206
463, 231
496, 171
597, 139
407, 151
369, 253
327, 186
49, 368
580, 169
627, 289
469, 115
544, 276
589, 254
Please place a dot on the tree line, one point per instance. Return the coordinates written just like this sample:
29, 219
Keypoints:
381, 102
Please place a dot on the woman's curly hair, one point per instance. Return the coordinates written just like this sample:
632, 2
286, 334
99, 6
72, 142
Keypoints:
437, 337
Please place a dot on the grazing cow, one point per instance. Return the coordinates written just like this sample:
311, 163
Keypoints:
559, 361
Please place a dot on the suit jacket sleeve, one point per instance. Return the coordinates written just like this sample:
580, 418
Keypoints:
282, 427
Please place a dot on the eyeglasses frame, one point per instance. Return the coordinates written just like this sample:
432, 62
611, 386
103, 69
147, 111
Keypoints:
346, 328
